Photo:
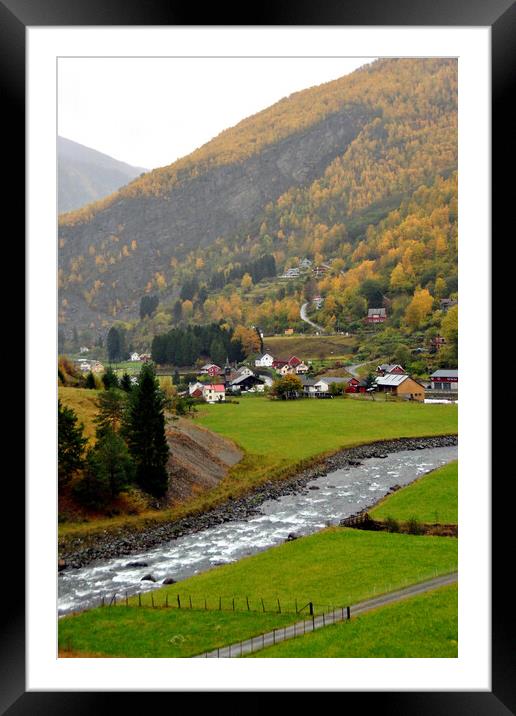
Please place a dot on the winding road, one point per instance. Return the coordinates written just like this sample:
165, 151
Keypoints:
305, 318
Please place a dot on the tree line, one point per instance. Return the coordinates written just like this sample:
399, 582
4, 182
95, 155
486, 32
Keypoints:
130, 447
184, 346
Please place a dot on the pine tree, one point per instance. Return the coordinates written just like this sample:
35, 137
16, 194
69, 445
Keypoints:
90, 381
125, 383
144, 430
111, 406
110, 378
70, 443
109, 470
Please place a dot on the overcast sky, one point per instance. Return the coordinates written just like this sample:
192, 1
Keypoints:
151, 111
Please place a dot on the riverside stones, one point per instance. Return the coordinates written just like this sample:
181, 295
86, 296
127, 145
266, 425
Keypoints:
77, 554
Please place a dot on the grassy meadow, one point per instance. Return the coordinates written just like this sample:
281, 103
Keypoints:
433, 498
335, 567
287, 431
424, 626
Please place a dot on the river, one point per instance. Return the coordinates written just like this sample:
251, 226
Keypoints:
323, 502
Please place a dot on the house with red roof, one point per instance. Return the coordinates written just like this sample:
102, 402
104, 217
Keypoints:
214, 393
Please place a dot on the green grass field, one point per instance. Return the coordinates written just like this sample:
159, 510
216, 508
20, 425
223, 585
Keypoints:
285, 432
424, 626
335, 567
433, 498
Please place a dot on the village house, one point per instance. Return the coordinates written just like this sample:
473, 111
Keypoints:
291, 273
305, 263
96, 367
322, 385
402, 386
356, 386
195, 387
376, 315
288, 332
436, 343
309, 388
145, 357
214, 393
246, 382
445, 379
446, 303
264, 361
134, 357
320, 270
390, 368
210, 369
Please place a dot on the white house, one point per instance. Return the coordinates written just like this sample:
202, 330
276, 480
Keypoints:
135, 357
264, 361
244, 371
214, 393
323, 384
301, 368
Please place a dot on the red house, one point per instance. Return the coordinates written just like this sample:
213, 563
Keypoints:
376, 315
395, 368
355, 386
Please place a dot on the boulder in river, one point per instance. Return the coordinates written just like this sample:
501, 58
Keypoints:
137, 564
169, 580
291, 537
148, 578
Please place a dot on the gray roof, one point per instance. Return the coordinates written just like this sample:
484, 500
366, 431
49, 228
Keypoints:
393, 379
376, 312
245, 377
445, 373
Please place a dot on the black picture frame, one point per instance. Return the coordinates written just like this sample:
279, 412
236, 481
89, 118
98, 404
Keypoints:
500, 15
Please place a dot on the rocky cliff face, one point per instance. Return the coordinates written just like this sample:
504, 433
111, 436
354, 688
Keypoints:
222, 201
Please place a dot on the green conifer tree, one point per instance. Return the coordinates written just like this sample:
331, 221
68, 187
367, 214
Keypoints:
144, 430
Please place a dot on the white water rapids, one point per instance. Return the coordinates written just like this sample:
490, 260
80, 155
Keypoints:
339, 494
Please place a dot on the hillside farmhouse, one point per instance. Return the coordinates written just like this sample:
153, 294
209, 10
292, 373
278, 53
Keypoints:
376, 315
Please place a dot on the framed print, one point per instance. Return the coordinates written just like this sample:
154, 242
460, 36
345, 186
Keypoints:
56, 58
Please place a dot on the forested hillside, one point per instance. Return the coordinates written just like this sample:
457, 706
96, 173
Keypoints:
356, 175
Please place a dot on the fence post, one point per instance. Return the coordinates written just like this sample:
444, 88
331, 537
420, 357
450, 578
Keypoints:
323, 619
296, 607
102, 604
233, 603
190, 601
247, 600
274, 636
178, 602
311, 606
348, 609
279, 607
218, 652
126, 600
205, 603
220, 603
263, 605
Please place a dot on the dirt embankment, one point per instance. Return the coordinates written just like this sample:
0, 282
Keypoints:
199, 459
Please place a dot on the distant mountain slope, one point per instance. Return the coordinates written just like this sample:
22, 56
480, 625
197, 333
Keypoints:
291, 181
85, 175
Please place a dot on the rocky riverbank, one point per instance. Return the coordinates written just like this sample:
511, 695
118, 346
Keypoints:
79, 551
